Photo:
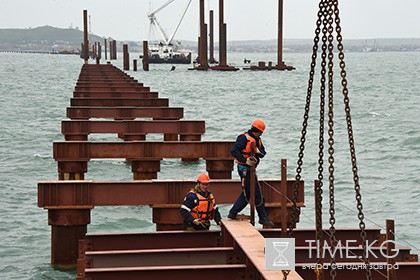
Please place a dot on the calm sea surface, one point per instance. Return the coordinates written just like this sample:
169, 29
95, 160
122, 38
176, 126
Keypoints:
385, 105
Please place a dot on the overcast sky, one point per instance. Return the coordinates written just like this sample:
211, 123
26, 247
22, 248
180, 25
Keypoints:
246, 19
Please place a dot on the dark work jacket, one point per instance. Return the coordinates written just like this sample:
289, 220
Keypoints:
240, 144
191, 201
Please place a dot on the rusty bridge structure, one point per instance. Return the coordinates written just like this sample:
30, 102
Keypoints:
132, 111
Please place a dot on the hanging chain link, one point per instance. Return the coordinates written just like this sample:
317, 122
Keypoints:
318, 187
343, 74
293, 214
328, 14
330, 29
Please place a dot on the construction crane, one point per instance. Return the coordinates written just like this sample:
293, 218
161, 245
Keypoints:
155, 23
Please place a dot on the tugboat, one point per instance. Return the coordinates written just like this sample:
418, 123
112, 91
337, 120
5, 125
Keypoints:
166, 51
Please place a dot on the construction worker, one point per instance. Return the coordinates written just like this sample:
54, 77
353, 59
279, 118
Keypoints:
241, 151
199, 206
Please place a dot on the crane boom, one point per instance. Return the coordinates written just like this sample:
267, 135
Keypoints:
154, 22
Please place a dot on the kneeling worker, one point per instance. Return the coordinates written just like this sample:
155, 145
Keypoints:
199, 206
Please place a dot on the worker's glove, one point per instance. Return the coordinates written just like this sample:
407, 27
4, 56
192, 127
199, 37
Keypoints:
257, 151
251, 161
197, 222
217, 222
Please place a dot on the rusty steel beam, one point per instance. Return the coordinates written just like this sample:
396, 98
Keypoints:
85, 127
157, 257
116, 102
84, 151
125, 95
245, 237
151, 240
104, 87
114, 90
203, 272
105, 78
168, 113
111, 81
217, 255
189, 239
144, 192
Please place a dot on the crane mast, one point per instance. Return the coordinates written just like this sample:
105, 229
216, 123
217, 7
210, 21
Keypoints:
155, 23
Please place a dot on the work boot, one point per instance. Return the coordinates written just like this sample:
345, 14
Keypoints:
266, 222
232, 216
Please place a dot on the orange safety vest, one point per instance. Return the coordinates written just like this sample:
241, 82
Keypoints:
205, 207
246, 152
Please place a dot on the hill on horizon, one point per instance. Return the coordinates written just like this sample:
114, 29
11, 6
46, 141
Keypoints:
47, 37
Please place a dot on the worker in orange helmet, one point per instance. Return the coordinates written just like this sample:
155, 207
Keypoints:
241, 151
199, 206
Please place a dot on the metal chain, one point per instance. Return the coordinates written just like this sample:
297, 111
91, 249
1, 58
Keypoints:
333, 241
318, 214
343, 74
293, 214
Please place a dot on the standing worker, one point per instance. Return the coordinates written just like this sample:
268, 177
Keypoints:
241, 151
199, 206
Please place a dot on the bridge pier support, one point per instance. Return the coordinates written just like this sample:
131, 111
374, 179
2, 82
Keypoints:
145, 169
67, 227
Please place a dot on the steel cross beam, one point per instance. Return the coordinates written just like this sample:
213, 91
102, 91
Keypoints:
112, 89
85, 127
120, 94
210, 238
170, 113
116, 102
84, 151
145, 192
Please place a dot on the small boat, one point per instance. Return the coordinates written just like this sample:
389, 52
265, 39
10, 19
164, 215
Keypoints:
168, 53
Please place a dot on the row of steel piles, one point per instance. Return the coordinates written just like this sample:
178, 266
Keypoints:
95, 51
103, 91
202, 42
223, 65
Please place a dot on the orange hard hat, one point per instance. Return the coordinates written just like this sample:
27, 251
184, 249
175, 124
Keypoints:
259, 124
203, 178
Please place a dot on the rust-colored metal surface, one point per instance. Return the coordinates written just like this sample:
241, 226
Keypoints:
115, 102
152, 240
205, 272
190, 239
120, 94
146, 192
235, 252
126, 57
169, 113
183, 127
145, 60
83, 151
157, 257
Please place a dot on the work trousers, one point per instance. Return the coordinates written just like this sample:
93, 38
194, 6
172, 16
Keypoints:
242, 201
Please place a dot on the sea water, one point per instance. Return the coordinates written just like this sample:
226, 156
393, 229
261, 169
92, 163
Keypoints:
35, 90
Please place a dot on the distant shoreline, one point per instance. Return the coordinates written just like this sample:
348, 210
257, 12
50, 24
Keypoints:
52, 39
